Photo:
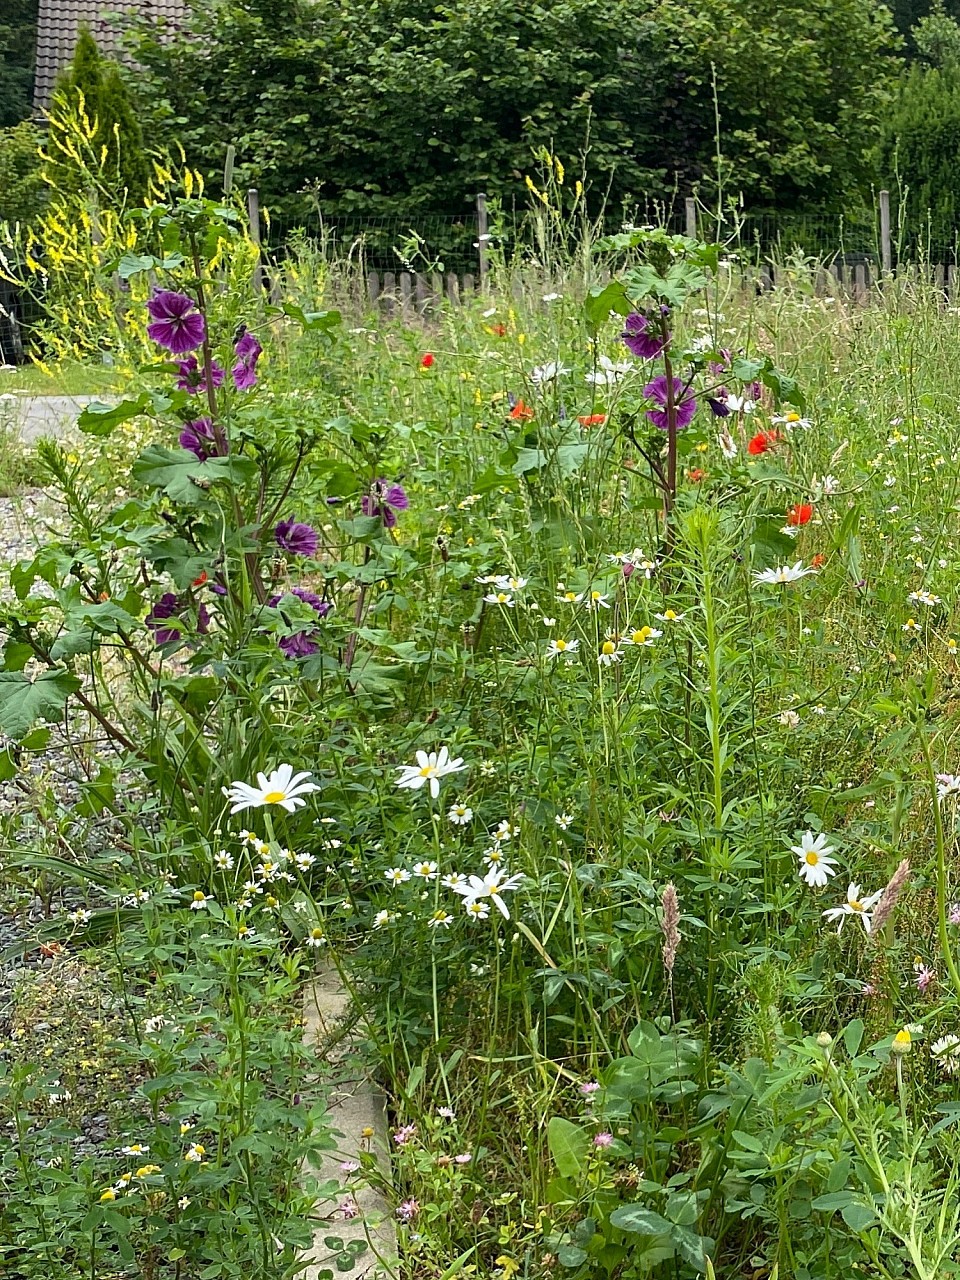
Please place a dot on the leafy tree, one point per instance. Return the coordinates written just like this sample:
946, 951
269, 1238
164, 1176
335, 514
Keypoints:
18, 42
22, 190
404, 106
92, 89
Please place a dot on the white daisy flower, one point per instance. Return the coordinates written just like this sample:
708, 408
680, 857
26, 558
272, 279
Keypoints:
454, 881
440, 919
609, 372
500, 597
459, 814
854, 906
561, 648
816, 865
547, 372
430, 768
281, 787
948, 784
397, 875
783, 573
425, 870
643, 636
316, 938
564, 821
491, 887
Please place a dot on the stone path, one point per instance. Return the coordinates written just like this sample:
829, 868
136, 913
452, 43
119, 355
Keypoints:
39, 416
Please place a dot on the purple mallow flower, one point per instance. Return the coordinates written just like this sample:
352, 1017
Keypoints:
302, 643
383, 500
170, 607
247, 350
199, 439
685, 406
191, 375
177, 324
642, 338
297, 538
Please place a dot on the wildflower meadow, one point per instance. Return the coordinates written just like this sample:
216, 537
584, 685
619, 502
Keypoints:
570, 675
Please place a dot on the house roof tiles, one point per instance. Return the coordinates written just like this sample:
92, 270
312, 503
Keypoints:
59, 23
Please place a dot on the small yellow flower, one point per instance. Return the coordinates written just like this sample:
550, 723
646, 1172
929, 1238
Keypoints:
508, 1266
901, 1042
952, 646
367, 1132
108, 1195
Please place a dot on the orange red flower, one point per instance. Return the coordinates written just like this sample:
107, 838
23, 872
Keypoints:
763, 441
521, 410
592, 420
799, 514
426, 360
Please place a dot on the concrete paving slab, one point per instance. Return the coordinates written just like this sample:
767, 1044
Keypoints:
356, 1104
37, 416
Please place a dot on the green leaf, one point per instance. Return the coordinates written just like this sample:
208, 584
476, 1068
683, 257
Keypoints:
600, 302
643, 1221
99, 419
183, 477
832, 1200
24, 701
858, 1217
569, 1146
852, 1036
323, 321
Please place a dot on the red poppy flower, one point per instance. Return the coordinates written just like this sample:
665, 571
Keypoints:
592, 420
498, 330
521, 410
426, 361
696, 474
799, 514
817, 560
198, 582
763, 441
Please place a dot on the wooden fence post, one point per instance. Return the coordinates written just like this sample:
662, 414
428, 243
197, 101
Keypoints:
483, 235
691, 209
253, 218
886, 248
228, 169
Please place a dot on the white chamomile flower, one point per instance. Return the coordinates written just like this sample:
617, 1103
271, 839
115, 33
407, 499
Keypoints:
502, 598
200, 900
425, 870
429, 769
490, 887
643, 636
507, 830
504, 582
460, 814
454, 881
854, 906
593, 599
924, 597
610, 652
477, 910
223, 860
782, 574
397, 875
561, 648
816, 865
669, 615
440, 919
316, 938
281, 787
564, 821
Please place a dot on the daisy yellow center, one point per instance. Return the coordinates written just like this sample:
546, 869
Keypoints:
316, 933
274, 797
428, 771
670, 616
608, 647
793, 417
812, 858
643, 634
561, 645
854, 905
199, 897
595, 595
